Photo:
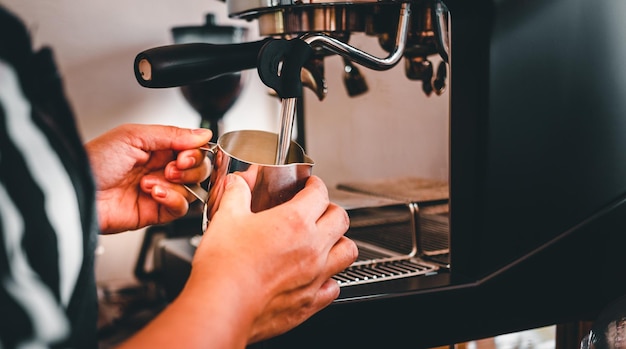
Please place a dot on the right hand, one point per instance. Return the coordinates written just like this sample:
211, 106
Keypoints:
279, 262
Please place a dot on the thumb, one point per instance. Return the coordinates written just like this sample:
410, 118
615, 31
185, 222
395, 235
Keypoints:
236, 196
161, 137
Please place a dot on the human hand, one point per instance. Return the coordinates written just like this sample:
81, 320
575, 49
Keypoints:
275, 265
139, 171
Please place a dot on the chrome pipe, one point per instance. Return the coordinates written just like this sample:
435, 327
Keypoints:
363, 58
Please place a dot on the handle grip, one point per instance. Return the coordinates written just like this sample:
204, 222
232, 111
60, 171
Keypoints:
184, 64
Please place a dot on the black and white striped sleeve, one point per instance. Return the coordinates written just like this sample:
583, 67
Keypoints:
41, 239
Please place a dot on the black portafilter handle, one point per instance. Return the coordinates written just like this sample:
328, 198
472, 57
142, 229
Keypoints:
279, 63
184, 64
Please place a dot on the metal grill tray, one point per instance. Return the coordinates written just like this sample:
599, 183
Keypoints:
386, 252
384, 230
382, 271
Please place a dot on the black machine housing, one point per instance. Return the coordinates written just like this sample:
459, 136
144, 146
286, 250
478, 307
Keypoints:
537, 185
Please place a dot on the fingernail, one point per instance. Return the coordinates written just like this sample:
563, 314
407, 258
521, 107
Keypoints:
159, 191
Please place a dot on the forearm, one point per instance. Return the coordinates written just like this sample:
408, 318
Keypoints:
217, 317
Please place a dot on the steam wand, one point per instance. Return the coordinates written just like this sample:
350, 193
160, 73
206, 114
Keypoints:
286, 126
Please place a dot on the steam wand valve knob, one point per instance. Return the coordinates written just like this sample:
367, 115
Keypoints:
280, 64
353, 79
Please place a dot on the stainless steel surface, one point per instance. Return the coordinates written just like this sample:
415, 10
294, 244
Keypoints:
390, 270
252, 154
288, 111
311, 19
244, 8
354, 54
388, 233
388, 250
197, 191
441, 26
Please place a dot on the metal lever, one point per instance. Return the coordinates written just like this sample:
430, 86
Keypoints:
353, 79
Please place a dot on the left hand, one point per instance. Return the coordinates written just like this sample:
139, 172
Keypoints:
139, 171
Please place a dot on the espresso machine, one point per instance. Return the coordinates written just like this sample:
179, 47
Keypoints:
533, 214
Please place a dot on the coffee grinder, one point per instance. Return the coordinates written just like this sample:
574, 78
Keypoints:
212, 98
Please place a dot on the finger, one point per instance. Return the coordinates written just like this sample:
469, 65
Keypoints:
191, 175
324, 294
328, 292
250, 175
314, 197
340, 257
148, 182
173, 202
236, 194
334, 222
161, 137
191, 158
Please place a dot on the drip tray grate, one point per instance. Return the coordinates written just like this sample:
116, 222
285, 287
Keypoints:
382, 271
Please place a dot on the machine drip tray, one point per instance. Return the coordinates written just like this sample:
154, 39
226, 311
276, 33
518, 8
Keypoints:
386, 234
382, 271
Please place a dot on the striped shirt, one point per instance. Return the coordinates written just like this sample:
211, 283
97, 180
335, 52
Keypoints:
47, 210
